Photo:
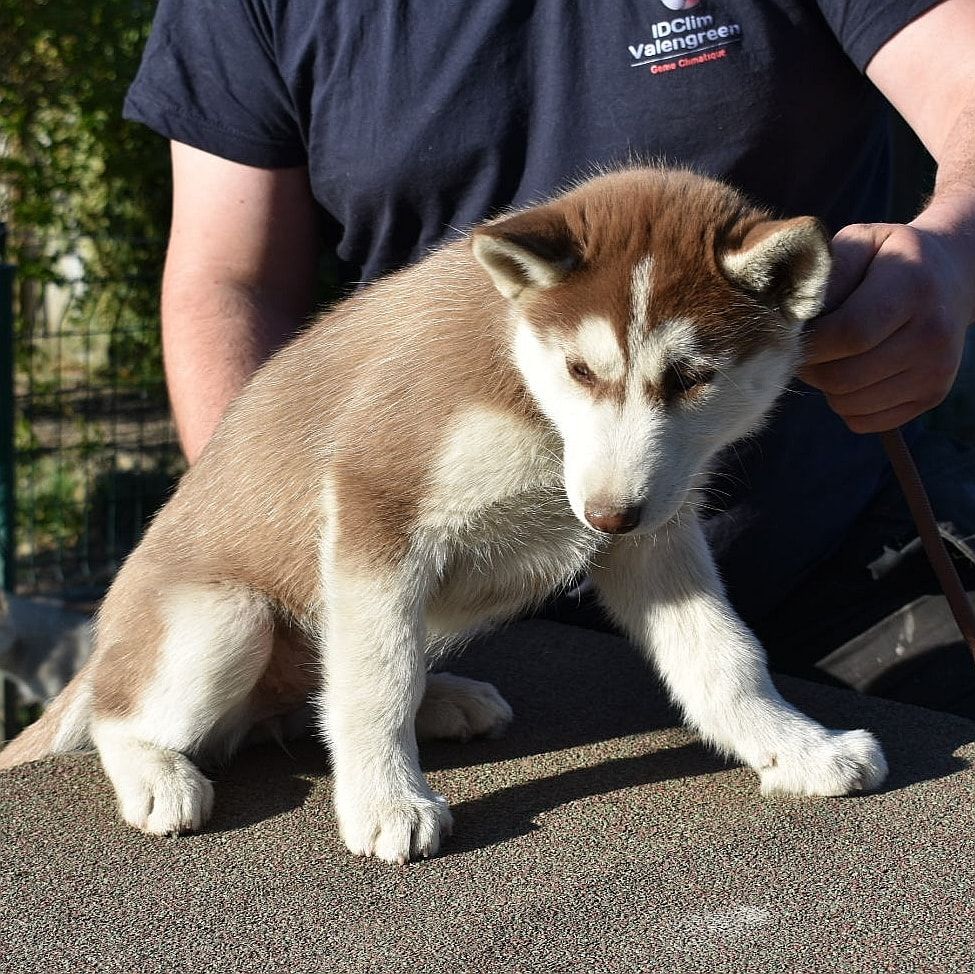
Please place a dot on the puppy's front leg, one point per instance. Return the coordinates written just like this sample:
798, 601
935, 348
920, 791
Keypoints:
666, 594
374, 682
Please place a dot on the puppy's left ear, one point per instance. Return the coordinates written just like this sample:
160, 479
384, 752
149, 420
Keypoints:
530, 251
785, 263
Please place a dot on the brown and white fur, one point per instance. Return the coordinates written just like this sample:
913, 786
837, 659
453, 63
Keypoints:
439, 453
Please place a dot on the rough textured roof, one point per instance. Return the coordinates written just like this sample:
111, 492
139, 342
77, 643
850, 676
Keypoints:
597, 835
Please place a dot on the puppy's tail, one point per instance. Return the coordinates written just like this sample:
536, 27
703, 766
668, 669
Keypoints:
64, 726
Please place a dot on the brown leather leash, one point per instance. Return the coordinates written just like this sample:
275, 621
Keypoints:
927, 527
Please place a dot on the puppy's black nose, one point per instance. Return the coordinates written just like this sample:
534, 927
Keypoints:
613, 520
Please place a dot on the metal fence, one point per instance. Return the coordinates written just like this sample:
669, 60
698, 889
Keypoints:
96, 452
8, 698
88, 451
7, 534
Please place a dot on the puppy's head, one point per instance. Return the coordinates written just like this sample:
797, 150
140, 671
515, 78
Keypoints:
655, 318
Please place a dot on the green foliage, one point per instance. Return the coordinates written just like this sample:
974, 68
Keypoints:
57, 509
74, 177
86, 199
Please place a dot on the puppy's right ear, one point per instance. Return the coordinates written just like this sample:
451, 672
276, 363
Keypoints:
533, 250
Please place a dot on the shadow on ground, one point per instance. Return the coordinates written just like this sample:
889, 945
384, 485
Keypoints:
571, 689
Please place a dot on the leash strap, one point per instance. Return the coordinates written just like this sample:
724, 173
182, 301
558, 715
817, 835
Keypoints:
927, 526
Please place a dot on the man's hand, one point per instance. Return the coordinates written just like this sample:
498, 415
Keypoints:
899, 303
901, 297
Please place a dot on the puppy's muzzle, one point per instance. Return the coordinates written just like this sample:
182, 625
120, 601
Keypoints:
613, 520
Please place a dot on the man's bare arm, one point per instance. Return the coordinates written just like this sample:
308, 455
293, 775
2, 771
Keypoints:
904, 295
239, 279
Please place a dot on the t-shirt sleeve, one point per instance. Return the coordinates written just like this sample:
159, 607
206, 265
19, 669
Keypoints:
864, 26
209, 78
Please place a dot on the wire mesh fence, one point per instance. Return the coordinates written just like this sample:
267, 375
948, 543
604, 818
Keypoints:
96, 452
91, 452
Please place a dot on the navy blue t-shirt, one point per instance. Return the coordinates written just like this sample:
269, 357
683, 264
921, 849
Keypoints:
418, 118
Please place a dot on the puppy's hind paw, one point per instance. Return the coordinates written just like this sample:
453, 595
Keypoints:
160, 792
842, 763
455, 708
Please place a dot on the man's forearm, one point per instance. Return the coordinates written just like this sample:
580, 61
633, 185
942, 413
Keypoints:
239, 280
951, 209
215, 336
937, 98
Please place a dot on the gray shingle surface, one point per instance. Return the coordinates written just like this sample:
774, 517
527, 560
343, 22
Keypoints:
597, 835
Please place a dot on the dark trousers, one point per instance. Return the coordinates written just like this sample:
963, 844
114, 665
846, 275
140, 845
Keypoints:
872, 616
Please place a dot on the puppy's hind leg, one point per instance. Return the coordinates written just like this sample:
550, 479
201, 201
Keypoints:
212, 645
455, 708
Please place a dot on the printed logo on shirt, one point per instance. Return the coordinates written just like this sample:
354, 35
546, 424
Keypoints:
684, 42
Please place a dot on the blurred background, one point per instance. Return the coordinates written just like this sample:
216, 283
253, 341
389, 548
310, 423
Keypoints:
87, 450
84, 198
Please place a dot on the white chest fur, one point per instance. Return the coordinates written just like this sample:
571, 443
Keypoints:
498, 522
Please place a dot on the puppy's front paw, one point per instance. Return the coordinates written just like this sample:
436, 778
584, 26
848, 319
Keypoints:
394, 829
455, 708
841, 763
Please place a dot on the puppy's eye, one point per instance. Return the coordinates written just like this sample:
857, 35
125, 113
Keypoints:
692, 378
581, 373
683, 380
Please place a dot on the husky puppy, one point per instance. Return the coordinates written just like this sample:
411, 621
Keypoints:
439, 453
